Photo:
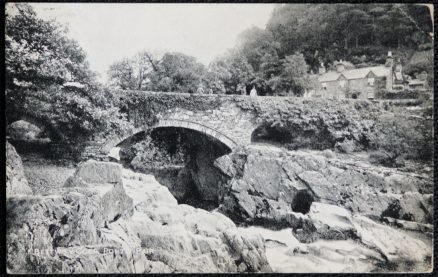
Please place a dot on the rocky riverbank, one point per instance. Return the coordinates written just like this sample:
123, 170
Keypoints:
109, 219
281, 211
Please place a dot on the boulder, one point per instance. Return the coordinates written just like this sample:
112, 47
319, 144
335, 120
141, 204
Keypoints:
261, 190
38, 225
75, 181
96, 172
385, 158
16, 182
321, 187
286, 254
346, 146
328, 154
187, 239
409, 225
327, 222
396, 246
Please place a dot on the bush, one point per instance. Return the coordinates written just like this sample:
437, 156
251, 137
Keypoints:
72, 116
150, 153
402, 94
401, 136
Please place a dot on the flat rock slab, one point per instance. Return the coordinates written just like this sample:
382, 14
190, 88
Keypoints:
97, 172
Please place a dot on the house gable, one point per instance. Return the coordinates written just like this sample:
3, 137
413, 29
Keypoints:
371, 74
341, 77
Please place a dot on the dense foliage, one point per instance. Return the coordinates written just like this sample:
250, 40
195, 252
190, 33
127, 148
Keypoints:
396, 139
39, 54
48, 79
144, 71
277, 60
360, 33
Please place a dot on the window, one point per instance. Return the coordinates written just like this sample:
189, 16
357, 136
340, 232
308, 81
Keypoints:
342, 83
324, 86
370, 93
371, 81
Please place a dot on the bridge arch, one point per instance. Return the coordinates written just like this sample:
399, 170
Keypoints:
43, 125
176, 123
113, 147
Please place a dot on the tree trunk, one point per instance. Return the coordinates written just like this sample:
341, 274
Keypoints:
140, 79
346, 43
357, 42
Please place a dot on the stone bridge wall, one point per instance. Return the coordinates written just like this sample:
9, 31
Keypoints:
224, 123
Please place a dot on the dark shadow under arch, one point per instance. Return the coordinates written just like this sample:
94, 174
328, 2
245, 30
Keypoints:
266, 133
51, 131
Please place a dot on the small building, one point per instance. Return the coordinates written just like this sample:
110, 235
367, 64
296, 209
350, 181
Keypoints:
357, 83
419, 83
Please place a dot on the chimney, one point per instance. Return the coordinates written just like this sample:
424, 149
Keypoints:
321, 69
340, 66
389, 60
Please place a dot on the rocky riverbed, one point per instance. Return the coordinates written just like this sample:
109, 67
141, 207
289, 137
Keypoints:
280, 211
268, 184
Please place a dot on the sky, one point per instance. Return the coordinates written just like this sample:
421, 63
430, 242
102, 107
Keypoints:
111, 32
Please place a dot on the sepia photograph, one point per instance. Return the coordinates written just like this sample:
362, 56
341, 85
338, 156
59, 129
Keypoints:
218, 138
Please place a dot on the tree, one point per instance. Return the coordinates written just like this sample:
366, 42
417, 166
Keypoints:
173, 72
121, 74
236, 71
38, 52
284, 25
357, 25
178, 72
215, 77
361, 33
48, 78
133, 73
295, 73
254, 43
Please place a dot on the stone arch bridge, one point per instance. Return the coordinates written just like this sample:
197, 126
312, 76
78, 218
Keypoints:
235, 120
224, 118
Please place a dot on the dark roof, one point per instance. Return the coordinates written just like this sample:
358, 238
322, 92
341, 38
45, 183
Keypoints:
357, 73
